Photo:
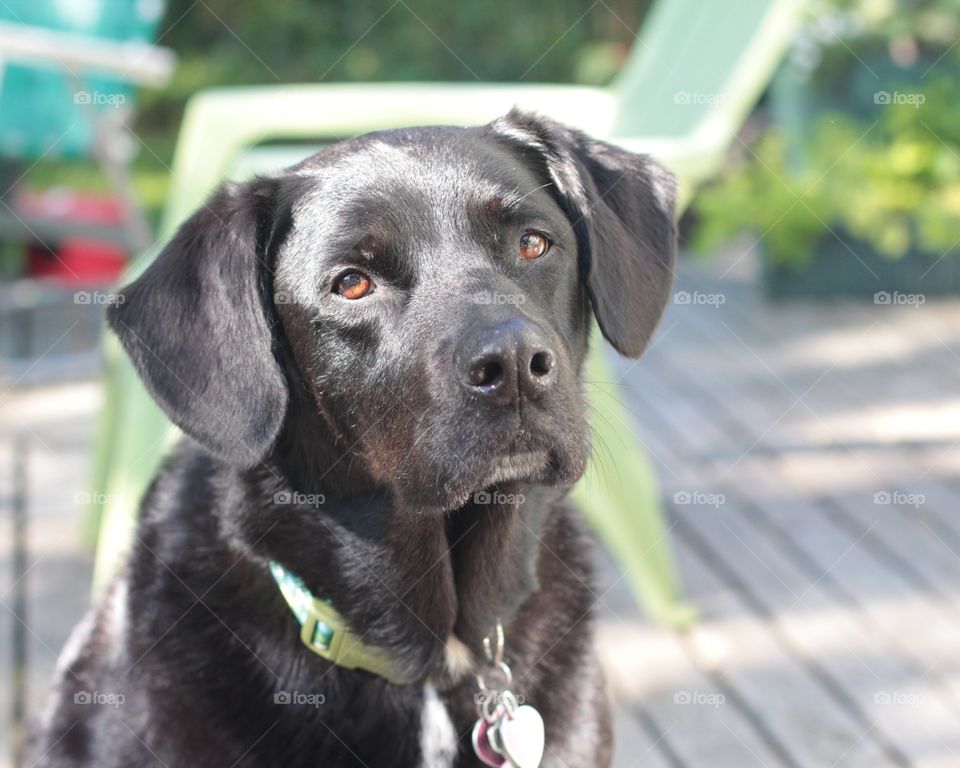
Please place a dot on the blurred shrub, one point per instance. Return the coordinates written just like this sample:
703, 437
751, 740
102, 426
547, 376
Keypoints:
233, 42
875, 153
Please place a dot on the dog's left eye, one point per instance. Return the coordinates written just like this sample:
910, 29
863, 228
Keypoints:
533, 245
353, 285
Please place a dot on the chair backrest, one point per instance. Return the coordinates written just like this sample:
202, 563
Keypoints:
43, 110
701, 65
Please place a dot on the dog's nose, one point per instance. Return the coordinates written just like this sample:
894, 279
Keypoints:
507, 361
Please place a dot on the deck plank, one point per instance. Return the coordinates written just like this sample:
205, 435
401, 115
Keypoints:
903, 710
653, 676
633, 746
891, 608
746, 653
748, 394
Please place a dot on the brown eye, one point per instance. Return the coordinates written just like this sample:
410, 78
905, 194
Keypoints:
533, 245
354, 285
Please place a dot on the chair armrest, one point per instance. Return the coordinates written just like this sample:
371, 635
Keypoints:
222, 122
134, 61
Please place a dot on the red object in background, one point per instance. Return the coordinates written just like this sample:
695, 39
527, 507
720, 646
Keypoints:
78, 260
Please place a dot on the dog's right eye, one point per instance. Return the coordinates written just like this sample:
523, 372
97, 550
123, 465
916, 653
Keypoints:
353, 285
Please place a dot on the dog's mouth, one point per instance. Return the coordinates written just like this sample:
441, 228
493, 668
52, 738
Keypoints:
529, 466
517, 467
449, 472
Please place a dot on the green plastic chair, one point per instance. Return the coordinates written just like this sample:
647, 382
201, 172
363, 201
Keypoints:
689, 82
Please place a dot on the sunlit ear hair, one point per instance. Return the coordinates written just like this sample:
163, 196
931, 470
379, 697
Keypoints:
198, 325
622, 208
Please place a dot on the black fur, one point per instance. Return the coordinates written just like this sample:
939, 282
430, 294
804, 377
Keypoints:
341, 439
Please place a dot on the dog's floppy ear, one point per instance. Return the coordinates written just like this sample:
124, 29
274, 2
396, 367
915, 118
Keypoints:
197, 324
622, 209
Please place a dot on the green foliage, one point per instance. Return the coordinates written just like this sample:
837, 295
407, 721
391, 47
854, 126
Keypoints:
933, 23
245, 41
894, 184
877, 162
242, 42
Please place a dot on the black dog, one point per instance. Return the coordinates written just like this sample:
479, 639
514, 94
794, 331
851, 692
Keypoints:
375, 358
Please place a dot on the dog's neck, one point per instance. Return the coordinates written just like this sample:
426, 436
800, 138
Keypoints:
494, 550
417, 585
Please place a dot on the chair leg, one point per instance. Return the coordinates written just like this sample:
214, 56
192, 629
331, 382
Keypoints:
114, 150
622, 502
114, 154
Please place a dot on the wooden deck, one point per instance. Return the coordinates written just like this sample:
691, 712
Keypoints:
808, 455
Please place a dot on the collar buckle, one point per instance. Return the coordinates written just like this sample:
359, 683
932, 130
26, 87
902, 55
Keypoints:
325, 632
320, 631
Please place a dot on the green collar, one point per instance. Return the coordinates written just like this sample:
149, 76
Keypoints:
324, 631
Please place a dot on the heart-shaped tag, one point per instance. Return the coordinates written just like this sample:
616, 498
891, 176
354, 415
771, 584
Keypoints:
482, 748
522, 738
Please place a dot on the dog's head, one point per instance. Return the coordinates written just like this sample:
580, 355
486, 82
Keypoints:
427, 292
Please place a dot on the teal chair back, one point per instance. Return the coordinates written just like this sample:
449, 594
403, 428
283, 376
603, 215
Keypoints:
43, 110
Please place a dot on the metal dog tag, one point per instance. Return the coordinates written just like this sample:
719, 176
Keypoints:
506, 734
517, 733
520, 737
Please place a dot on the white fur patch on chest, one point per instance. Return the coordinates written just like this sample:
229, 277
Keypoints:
438, 738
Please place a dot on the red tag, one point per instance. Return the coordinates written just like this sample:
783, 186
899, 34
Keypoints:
481, 745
